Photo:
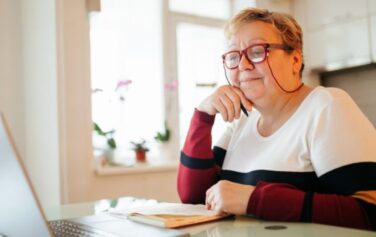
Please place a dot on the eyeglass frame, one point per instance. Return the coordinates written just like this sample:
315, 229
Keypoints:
266, 47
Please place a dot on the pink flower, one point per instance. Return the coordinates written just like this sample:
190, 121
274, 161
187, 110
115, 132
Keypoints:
123, 83
121, 88
171, 86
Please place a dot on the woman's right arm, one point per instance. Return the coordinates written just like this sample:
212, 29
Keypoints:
199, 164
197, 169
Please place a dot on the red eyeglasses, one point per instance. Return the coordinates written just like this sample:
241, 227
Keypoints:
255, 53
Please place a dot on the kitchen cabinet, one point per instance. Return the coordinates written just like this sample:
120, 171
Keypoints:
324, 12
340, 33
373, 37
339, 45
372, 28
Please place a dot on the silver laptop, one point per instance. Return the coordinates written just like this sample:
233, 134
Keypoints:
21, 214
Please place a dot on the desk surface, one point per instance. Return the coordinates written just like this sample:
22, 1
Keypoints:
239, 226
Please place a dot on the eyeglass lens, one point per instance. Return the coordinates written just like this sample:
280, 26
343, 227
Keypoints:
255, 54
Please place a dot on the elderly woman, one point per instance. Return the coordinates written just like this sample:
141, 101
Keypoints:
301, 154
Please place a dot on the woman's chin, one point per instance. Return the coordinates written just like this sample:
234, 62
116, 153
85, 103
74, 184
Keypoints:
252, 93
251, 85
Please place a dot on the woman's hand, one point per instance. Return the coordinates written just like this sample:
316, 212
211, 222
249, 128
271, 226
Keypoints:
226, 101
230, 197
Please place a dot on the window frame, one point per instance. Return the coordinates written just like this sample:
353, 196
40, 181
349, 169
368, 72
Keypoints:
170, 71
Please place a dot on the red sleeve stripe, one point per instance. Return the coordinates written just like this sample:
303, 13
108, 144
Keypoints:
192, 184
198, 142
277, 202
338, 210
282, 202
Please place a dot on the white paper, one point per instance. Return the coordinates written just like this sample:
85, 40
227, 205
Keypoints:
167, 209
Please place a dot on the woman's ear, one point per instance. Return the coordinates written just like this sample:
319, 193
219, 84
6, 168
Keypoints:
297, 57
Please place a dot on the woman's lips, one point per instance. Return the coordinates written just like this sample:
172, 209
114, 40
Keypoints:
248, 82
249, 79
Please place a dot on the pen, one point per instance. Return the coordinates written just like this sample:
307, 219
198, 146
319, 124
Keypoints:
228, 81
243, 109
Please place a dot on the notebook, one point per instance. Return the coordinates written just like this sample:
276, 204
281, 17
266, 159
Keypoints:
174, 221
21, 214
170, 215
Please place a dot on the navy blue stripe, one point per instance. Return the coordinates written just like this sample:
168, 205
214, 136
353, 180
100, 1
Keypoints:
345, 180
305, 181
219, 155
349, 179
195, 163
370, 209
306, 215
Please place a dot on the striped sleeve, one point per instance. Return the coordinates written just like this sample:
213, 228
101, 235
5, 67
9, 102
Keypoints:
199, 164
344, 197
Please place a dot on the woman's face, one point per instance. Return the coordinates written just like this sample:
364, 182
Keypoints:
256, 80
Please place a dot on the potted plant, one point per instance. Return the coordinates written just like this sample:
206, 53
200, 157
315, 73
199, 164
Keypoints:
163, 136
140, 149
109, 135
110, 141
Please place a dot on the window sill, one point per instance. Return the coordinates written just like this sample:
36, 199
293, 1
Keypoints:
137, 168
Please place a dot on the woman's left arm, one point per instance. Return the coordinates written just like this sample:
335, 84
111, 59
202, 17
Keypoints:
282, 202
342, 146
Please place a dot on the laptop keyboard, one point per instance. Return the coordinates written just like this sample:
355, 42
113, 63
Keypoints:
64, 228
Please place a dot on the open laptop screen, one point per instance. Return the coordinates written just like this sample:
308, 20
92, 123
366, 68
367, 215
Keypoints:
20, 214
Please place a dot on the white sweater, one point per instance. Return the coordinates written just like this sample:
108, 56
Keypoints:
326, 132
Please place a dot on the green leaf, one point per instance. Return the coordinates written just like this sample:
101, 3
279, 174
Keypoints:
111, 142
98, 129
163, 136
109, 132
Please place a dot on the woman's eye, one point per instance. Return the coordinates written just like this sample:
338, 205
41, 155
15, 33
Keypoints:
257, 53
233, 57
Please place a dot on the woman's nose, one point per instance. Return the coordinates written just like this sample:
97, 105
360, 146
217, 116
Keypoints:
245, 64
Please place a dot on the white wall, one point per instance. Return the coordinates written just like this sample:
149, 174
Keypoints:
38, 20
360, 84
28, 91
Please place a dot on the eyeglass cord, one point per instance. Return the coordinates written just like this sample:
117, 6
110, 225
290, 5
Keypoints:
271, 71
276, 81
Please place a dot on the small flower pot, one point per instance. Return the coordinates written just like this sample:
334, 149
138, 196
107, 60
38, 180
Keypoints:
140, 155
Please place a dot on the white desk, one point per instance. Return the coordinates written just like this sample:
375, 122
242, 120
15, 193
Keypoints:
240, 226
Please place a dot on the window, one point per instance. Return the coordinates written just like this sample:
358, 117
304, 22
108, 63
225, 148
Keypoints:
199, 69
219, 9
135, 61
126, 69
197, 29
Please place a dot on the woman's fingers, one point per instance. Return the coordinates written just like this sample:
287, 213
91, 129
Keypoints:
243, 100
229, 106
209, 199
227, 101
231, 101
235, 103
221, 108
